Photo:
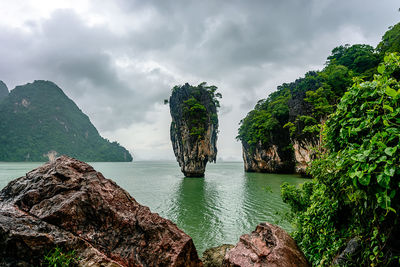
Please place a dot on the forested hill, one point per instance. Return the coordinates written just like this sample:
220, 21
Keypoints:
38, 119
282, 132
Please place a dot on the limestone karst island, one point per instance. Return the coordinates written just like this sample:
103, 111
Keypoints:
194, 127
200, 133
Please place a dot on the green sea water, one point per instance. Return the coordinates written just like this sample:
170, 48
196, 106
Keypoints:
213, 210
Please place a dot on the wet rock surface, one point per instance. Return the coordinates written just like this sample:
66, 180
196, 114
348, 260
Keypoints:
192, 150
269, 160
352, 248
214, 257
66, 203
268, 245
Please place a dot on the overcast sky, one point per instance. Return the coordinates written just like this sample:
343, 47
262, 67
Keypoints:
119, 59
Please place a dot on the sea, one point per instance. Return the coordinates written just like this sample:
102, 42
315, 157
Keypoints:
214, 210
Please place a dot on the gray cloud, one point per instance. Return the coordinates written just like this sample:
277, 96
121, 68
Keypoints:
119, 69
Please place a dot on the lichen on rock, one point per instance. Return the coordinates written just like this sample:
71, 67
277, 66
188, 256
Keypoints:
194, 127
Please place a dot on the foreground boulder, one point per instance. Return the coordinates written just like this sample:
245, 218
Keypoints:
268, 245
67, 204
214, 257
194, 127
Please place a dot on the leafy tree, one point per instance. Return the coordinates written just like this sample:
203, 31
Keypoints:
390, 40
360, 57
199, 107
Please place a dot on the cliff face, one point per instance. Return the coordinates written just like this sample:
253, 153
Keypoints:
3, 90
303, 154
194, 128
304, 144
273, 136
266, 159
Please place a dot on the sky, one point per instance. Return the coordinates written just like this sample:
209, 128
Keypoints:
119, 59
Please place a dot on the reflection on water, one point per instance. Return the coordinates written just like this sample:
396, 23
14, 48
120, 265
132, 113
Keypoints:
227, 203
194, 209
213, 210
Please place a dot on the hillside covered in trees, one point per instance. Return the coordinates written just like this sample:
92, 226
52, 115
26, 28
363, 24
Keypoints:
282, 132
38, 119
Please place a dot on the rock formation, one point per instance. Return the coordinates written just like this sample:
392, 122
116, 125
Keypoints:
66, 203
268, 245
214, 257
3, 90
282, 150
352, 248
263, 159
194, 127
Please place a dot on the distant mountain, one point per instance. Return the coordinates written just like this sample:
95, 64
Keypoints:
3, 90
38, 120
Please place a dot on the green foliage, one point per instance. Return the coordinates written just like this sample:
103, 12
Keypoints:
360, 58
38, 117
58, 258
298, 110
354, 193
199, 107
390, 40
268, 117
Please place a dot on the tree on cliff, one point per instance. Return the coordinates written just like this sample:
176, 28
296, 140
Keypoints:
291, 118
194, 126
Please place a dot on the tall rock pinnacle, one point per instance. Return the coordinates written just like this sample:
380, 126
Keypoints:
194, 127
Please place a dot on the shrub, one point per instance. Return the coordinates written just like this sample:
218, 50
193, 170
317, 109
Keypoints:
58, 258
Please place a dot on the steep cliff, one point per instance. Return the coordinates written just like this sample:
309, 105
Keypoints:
3, 90
194, 127
38, 120
265, 142
283, 132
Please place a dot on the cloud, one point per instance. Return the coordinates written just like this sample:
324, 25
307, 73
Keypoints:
119, 59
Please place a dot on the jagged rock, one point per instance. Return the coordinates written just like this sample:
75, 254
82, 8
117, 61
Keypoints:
352, 247
3, 90
263, 159
214, 257
66, 203
194, 128
268, 245
304, 143
303, 153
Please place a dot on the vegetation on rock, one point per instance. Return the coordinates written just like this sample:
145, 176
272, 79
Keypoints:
355, 190
350, 113
59, 258
194, 126
200, 107
296, 112
38, 119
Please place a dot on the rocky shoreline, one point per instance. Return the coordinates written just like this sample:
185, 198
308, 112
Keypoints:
69, 205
